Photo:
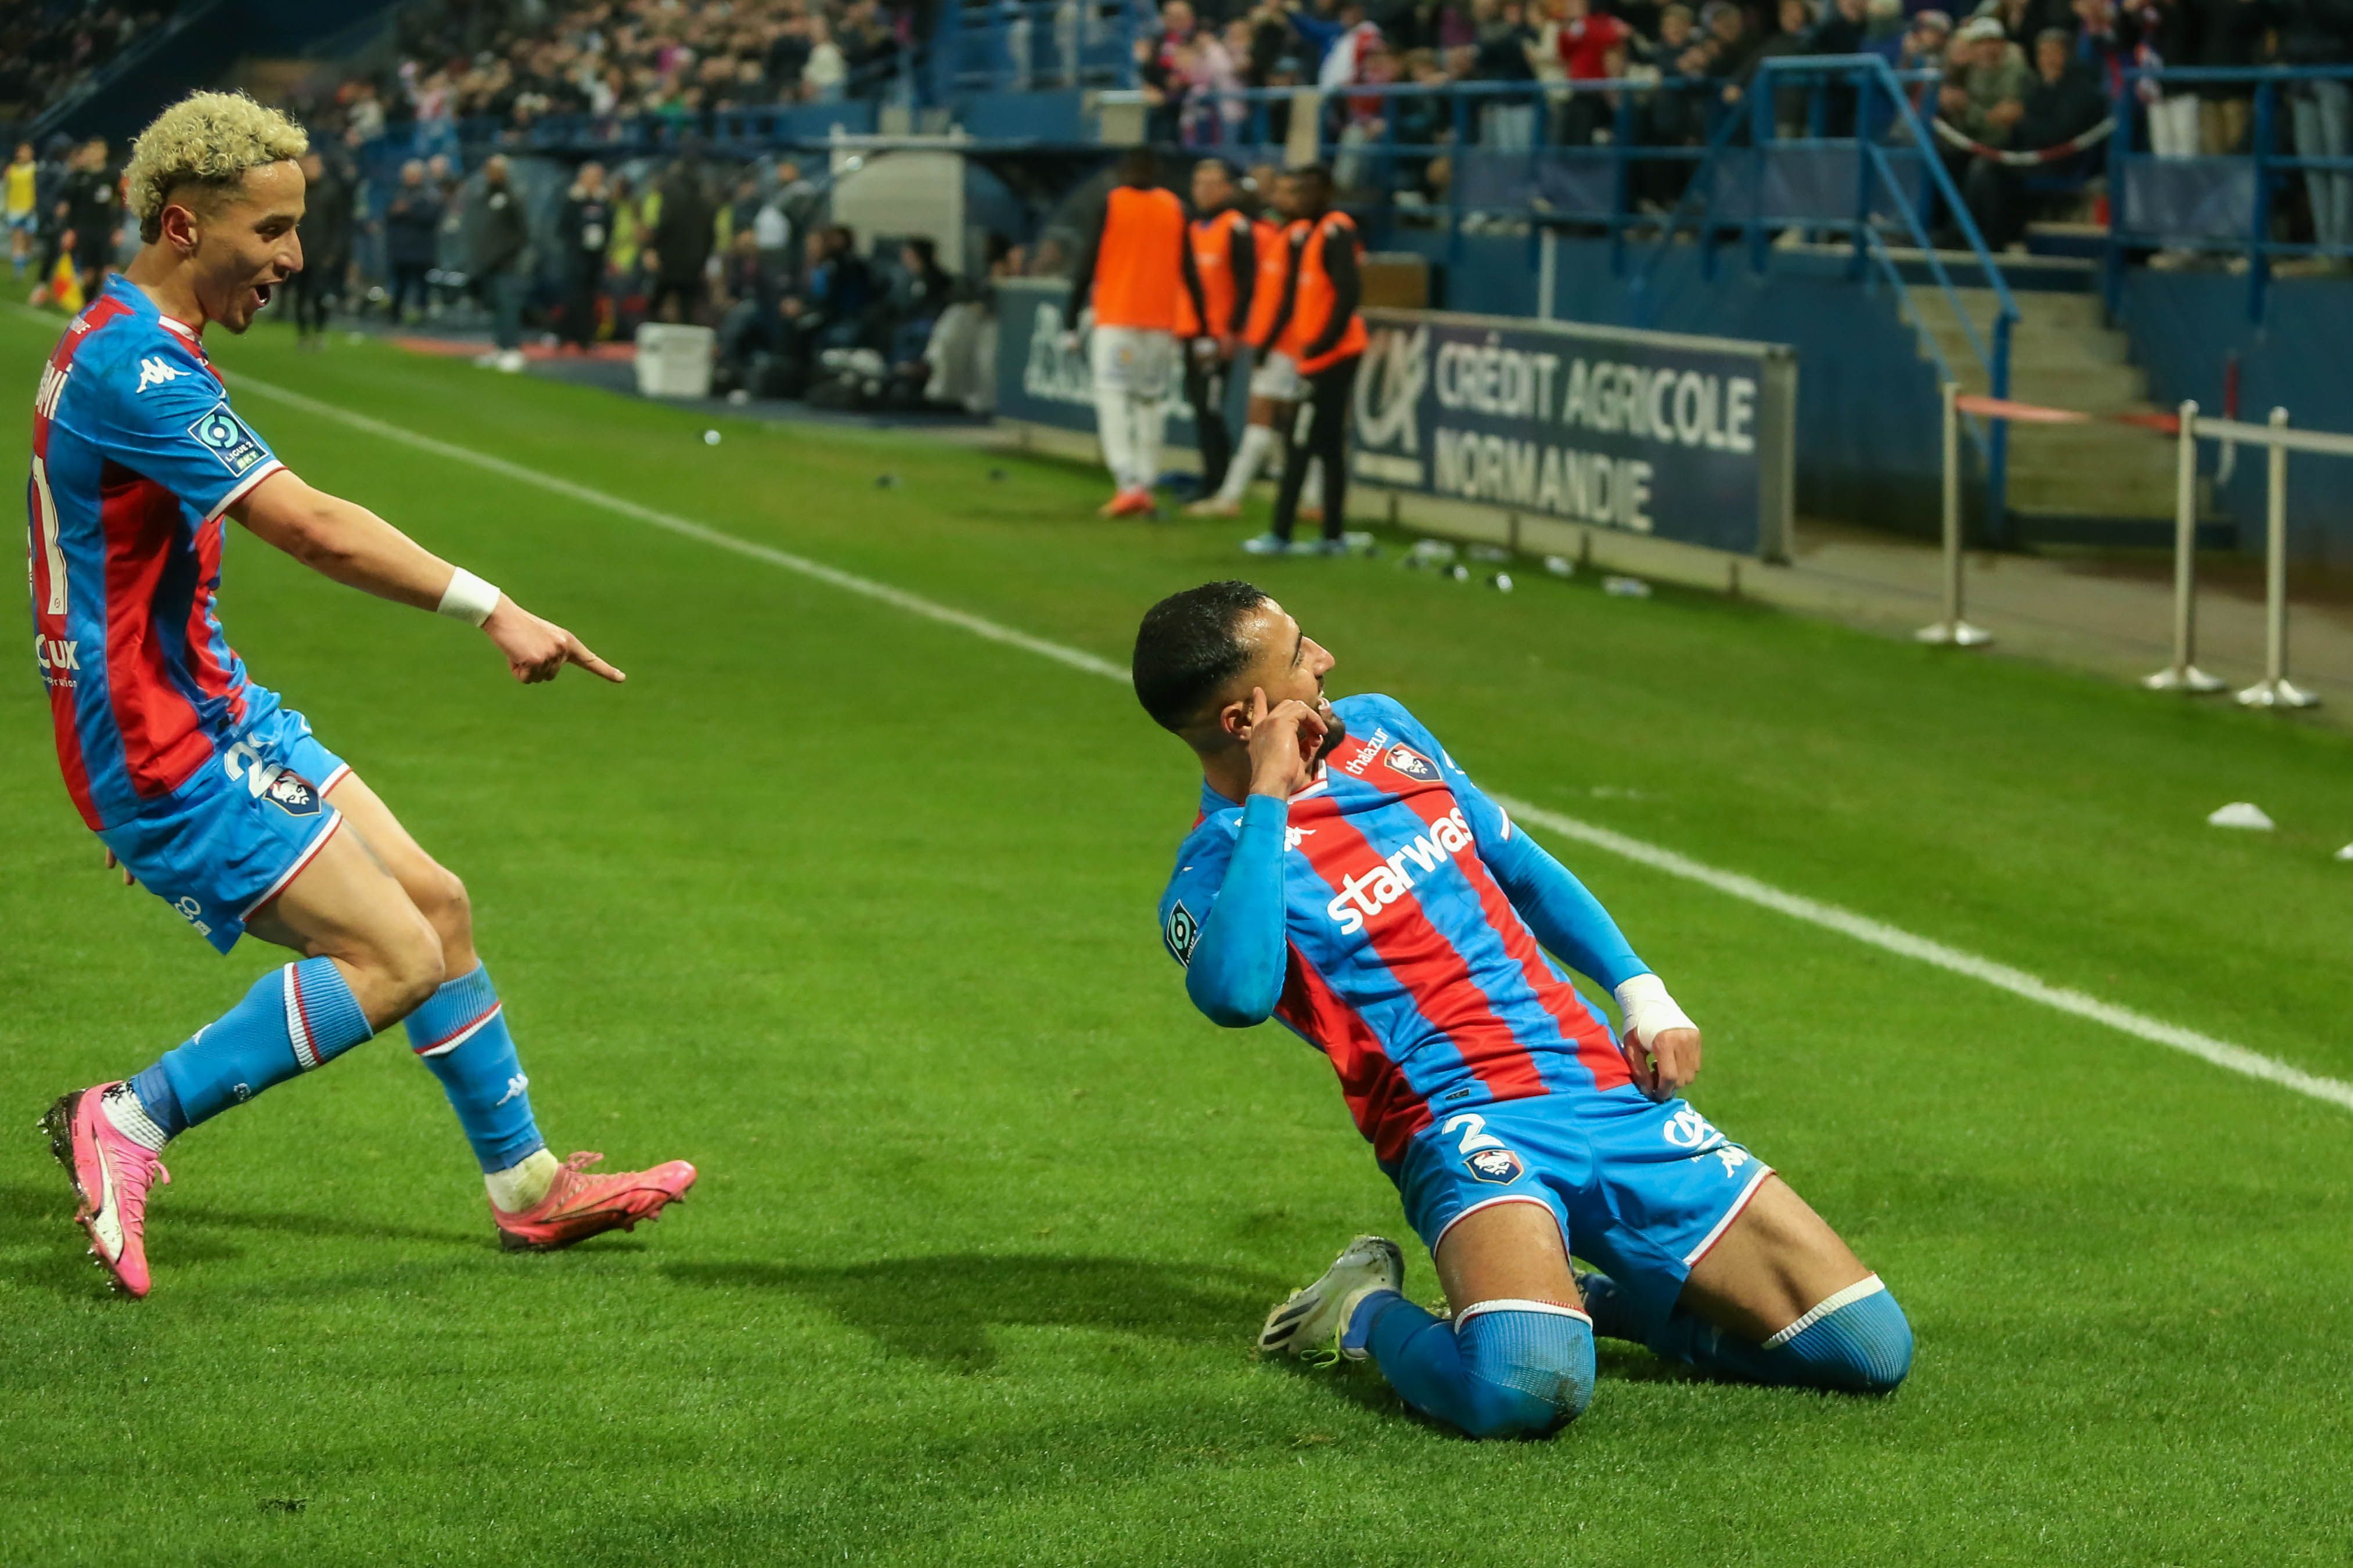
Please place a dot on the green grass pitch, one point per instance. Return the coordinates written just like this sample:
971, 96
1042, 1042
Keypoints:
855, 910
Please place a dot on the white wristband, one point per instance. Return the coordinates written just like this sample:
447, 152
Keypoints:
467, 598
1647, 1009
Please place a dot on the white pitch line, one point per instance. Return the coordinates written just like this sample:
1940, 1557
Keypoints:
1829, 917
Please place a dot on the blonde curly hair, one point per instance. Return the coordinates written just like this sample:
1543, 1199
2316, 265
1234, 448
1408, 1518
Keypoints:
208, 138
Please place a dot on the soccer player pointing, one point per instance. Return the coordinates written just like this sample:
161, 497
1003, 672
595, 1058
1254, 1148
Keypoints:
204, 788
1347, 877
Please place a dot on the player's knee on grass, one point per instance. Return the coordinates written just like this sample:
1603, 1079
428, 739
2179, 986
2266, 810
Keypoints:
1861, 1344
1529, 1371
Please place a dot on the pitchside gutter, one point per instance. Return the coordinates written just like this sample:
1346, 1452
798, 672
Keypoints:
1828, 917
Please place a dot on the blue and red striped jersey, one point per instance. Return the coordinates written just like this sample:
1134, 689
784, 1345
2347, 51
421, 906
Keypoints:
1408, 967
136, 454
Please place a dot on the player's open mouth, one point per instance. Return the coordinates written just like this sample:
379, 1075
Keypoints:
261, 294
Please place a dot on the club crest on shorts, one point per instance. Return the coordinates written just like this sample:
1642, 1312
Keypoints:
1498, 1166
1412, 765
293, 793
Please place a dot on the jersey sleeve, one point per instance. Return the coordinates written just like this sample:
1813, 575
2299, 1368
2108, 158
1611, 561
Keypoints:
1561, 911
1222, 916
161, 413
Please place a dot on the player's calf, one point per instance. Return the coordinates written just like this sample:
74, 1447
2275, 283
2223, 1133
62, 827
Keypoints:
1501, 1369
1855, 1341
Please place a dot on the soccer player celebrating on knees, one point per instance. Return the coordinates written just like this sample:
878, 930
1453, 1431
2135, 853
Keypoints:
1130, 281
205, 789
1347, 877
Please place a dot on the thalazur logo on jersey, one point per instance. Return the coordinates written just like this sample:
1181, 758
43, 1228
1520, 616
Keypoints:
223, 434
1368, 894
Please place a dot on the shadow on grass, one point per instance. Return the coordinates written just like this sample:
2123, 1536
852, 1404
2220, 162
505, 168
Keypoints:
941, 1309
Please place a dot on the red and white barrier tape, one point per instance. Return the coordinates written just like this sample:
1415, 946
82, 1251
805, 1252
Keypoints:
1952, 137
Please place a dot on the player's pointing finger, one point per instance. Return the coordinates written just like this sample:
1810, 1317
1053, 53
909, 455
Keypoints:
578, 652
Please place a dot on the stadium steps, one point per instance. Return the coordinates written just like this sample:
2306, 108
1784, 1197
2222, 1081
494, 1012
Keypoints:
2071, 483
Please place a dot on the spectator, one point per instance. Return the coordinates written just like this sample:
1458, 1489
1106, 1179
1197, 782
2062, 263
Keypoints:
328, 213
1731, 44
827, 70
412, 222
678, 247
1846, 31
1505, 53
1925, 44
584, 231
1984, 95
2228, 34
499, 239
2164, 33
1674, 113
922, 290
2063, 102
20, 206
748, 324
1591, 46
2320, 33
1793, 36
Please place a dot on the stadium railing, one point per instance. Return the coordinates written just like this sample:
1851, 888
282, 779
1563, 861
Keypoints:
2223, 203
1023, 46
1862, 165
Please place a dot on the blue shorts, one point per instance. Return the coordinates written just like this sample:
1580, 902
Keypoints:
225, 842
1640, 1189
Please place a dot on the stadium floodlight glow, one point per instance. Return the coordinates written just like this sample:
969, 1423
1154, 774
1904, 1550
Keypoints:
2183, 674
1953, 630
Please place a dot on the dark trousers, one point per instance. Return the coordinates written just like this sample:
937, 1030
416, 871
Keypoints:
315, 288
1995, 196
504, 292
580, 302
686, 291
1331, 397
408, 283
1204, 389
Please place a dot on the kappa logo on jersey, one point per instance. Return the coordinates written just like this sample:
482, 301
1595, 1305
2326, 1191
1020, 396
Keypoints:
276, 783
223, 434
1411, 764
1367, 895
155, 369
1182, 931
1292, 837
1498, 1166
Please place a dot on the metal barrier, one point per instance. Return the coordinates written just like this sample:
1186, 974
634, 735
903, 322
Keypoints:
2188, 427
2274, 689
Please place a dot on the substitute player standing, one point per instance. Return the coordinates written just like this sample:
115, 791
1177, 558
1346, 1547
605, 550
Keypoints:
1129, 281
1347, 877
204, 788
1317, 328
1225, 255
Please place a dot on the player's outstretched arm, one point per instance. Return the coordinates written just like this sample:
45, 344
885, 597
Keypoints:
344, 541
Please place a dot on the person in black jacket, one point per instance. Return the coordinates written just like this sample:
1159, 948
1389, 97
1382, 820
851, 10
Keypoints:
679, 249
2229, 33
2320, 33
412, 222
326, 235
501, 235
583, 232
2064, 101
93, 210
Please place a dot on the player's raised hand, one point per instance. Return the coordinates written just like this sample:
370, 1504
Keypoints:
538, 651
1284, 740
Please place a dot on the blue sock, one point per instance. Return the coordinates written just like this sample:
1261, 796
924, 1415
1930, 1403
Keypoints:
1856, 1340
292, 1020
460, 1034
1504, 1368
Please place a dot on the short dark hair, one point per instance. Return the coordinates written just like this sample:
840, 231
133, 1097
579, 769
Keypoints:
1138, 166
1188, 646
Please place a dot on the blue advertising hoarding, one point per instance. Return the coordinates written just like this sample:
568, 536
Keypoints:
1682, 439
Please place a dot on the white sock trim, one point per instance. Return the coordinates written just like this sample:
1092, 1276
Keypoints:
1868, 1285
298, 1028
1509, 1304
122, 1108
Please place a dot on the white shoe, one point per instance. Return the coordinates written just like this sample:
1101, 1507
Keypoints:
511, 361
487, 362
1312, 1320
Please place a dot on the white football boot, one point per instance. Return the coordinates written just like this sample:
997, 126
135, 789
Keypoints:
1310, 1323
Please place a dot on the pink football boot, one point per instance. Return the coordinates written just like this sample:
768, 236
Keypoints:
110, 1176
580, 1205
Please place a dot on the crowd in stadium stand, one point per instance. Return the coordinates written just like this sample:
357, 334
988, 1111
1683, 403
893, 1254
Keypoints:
47, 49
2019, 75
